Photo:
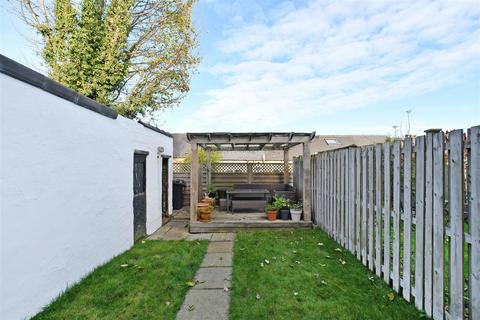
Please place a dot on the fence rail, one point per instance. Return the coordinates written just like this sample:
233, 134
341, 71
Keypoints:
410, 212
225, 174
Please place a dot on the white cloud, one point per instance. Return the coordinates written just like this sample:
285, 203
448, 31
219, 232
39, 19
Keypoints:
333, 56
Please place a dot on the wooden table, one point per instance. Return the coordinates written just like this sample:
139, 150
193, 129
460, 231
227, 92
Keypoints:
248, 194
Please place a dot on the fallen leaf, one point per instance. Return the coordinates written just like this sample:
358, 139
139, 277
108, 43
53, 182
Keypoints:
143, 241
190, 307
124, 265
338, 249
167, 303
225, 289
261, 264
241, 249
190, 283
274, 258
328, 257
323, 282
267, 262
322, 265
371, 278
297, 262
390, 296
295, 293
258, 296
294, 251
320, 243
342, 261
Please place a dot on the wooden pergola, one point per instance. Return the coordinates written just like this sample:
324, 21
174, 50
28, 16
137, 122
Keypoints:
229, 141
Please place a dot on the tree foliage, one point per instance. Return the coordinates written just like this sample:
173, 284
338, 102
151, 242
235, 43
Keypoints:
215, 156
136, 56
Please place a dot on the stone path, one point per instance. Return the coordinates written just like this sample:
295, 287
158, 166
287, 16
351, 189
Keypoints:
177, 230
209, 299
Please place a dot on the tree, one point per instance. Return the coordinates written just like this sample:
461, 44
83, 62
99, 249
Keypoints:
215, 156
136, 56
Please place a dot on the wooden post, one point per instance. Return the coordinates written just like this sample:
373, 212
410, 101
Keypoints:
249, 172
396, 216
285, 166
307, 188
474, 223
209, 167
407, 214
438, 226
456, 223
194, 181
419, 218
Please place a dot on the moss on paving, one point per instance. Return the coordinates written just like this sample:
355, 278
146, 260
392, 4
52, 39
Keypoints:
152, 286
305, 280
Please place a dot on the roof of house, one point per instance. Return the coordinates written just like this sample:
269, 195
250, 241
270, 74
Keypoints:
181, 147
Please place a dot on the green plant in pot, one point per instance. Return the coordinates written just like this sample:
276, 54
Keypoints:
212, 191
283, 206
271, 212
296, 211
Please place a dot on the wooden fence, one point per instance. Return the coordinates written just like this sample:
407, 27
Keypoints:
225, 174
410, 212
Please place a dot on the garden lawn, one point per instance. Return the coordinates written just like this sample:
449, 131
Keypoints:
146, 282
303, 274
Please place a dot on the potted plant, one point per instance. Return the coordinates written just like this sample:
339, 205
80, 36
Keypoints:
296, 211
283, 206
271, 212
212, 191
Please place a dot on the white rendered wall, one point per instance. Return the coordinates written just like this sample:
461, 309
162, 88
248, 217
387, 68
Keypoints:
66, 179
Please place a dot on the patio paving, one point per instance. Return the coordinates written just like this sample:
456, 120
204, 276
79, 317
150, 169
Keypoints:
209, 299
177, 230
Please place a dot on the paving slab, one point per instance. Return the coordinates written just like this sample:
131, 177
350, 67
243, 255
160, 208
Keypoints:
176, 234
220, 246
198, 236
223, 236
213, 278
223, 259
205, 304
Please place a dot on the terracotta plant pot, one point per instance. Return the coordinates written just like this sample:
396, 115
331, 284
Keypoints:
272, 215
204, 212
210, 201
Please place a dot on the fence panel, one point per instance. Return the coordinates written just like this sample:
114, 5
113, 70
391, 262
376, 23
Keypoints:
411, 214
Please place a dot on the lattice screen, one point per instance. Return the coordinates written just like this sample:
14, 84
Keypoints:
230, 167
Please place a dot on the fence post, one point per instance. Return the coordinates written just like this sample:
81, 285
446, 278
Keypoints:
386, 221
456, 197
307, 191
396, 216
407, 214
438, 226
364, 206
378, 209
474, 223
419, 218
358, 207
371, 218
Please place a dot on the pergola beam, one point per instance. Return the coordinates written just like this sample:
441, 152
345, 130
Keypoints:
250, 138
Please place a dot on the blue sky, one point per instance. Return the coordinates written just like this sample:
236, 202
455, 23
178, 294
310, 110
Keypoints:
334, 67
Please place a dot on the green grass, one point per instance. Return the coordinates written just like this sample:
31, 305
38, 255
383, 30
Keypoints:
326, 288
152, 286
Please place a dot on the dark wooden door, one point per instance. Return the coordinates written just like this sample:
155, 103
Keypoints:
139, 196
165, 187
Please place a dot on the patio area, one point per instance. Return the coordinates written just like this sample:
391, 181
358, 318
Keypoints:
248, 199
230, 222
